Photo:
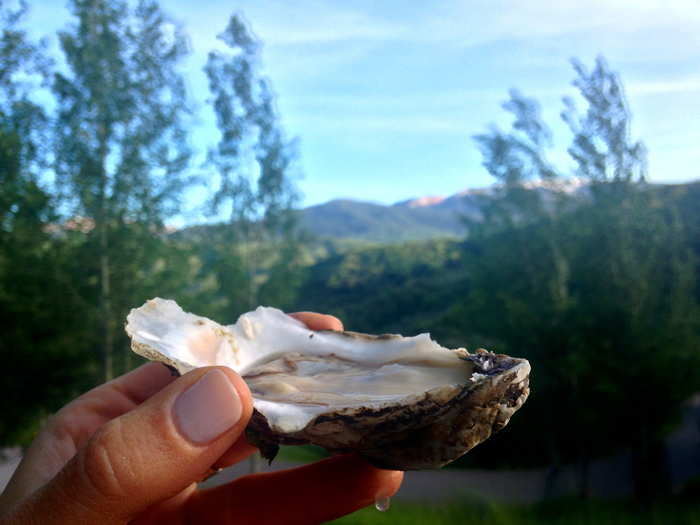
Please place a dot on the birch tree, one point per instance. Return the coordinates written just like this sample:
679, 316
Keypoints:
120, 149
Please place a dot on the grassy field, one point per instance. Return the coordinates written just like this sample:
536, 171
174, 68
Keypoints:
565, 512
301, 454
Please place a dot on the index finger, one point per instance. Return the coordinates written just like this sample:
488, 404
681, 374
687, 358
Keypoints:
316, 321
73, 425
306, 495
80, 418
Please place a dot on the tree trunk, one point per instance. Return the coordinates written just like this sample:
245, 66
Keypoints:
102, 225
105, 305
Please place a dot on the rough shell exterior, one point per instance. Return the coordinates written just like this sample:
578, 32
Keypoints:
430, 433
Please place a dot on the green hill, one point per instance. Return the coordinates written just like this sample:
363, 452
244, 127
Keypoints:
348, 219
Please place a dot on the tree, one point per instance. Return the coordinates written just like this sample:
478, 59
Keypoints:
38, 314
254, 164
595, 289
120, 146
602, 147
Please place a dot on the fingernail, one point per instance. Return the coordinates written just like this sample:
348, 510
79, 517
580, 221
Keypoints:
208, 408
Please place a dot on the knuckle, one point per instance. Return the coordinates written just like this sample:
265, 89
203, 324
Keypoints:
106, 466
66, 425
60, 423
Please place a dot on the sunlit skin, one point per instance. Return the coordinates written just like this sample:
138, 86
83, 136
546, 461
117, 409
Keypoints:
114, 456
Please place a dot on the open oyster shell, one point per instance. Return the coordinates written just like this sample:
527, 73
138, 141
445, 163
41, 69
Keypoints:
400, 402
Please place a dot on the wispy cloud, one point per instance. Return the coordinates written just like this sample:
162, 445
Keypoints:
300, 23
315, 23
466, 22
480, 21
664, 87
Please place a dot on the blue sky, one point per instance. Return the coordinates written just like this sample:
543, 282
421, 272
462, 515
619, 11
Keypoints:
385, 96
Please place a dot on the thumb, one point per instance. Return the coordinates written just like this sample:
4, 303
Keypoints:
151, 453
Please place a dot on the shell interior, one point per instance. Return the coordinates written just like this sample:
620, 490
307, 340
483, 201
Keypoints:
294, 373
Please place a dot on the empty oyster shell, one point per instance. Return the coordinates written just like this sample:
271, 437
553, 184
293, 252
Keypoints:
400, 402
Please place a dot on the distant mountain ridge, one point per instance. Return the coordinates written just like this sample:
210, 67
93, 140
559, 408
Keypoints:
414, 219
420, 218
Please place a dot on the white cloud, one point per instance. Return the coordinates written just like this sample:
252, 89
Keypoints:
307, 22
488, 20
323, 22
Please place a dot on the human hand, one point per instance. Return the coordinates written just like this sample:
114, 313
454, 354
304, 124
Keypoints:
133, 450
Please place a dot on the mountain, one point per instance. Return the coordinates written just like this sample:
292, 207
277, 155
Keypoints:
427, 217
415, 219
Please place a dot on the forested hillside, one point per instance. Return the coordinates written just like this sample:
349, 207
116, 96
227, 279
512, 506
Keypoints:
423, 279
399, 288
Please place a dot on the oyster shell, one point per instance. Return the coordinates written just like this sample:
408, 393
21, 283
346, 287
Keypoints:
400, 402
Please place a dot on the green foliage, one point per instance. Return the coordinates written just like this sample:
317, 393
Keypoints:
386, 288
38, 329
602, 147
565, 512
43, 344
301, 453
606, 320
